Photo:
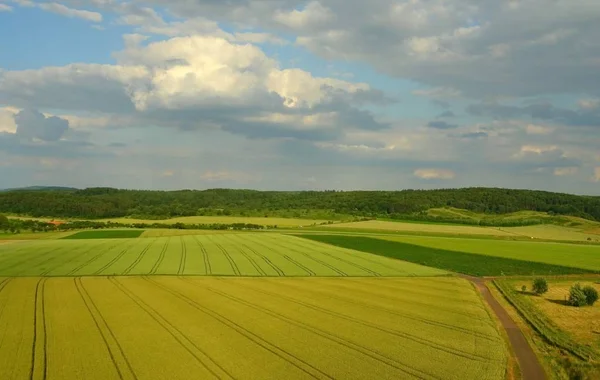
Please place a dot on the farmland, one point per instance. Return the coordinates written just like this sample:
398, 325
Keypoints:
280, 222
206, 327
105, 234
570, 333
477, 264
588, 232
246, 254
571, 255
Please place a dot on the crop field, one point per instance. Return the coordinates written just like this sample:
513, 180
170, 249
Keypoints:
280, 222
235, 328
246, 254
164, 232
457, 261
421, 227
563, 254
106, 234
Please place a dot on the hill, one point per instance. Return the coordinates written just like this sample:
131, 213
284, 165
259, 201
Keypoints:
41, 188
405, 204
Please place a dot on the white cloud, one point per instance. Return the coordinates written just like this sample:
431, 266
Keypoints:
434, 174
536, 149
5, 8
596, 177
533, 129
589, 104
7, 119
566, 171
70, 12
313, 14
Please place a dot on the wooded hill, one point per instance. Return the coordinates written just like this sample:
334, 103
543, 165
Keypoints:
109, 202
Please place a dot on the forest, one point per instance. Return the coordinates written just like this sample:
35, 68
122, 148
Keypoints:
92, 203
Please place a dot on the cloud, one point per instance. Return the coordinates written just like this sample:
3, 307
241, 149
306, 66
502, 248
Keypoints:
542, 111
5, 8
484, 49
539, 149
446, 114
533, 129
201, 82
596, 176
473, 135
440, 124
589, 104
434, 174
70, 12
32, 124
565, 171
439, 93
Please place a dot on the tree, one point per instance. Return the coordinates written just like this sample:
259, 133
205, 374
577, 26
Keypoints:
591, 294
4, 223
577, 297
540, 286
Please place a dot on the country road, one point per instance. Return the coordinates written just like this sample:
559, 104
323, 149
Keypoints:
531, 369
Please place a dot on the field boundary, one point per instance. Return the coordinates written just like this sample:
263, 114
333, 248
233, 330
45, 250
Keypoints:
529, 363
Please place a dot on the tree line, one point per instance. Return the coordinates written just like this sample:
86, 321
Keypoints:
109, 202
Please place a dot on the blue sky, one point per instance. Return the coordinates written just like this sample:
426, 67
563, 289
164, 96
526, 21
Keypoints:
286, 94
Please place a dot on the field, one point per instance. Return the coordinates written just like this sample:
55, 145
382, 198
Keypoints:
421, 228
106, 234
570, 255
474, 264
246, 254
588, 232
234, 328
570, 332
280, 222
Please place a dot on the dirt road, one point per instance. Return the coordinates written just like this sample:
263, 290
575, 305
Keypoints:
531, 369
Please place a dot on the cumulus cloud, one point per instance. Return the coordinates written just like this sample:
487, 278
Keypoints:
488, 48
565, 171
200, 82
440, 124
5, 8
32, 124
70, 12
434, 174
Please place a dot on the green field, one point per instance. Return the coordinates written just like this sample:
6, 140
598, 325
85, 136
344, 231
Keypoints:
456, 261
246, 254
106, 234
588, 232
234, 328
280, 222
563, 254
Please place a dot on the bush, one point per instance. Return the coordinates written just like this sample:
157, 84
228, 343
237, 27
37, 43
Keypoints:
591, 294
524, 288
540, 286
577, 297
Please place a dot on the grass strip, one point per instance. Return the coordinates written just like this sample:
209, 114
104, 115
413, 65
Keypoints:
551, 333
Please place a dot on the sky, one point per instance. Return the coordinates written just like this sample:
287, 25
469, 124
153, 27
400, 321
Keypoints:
301, 95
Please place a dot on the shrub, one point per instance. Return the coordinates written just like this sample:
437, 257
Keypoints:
591, 294
540, 286
524, 288
577, 296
